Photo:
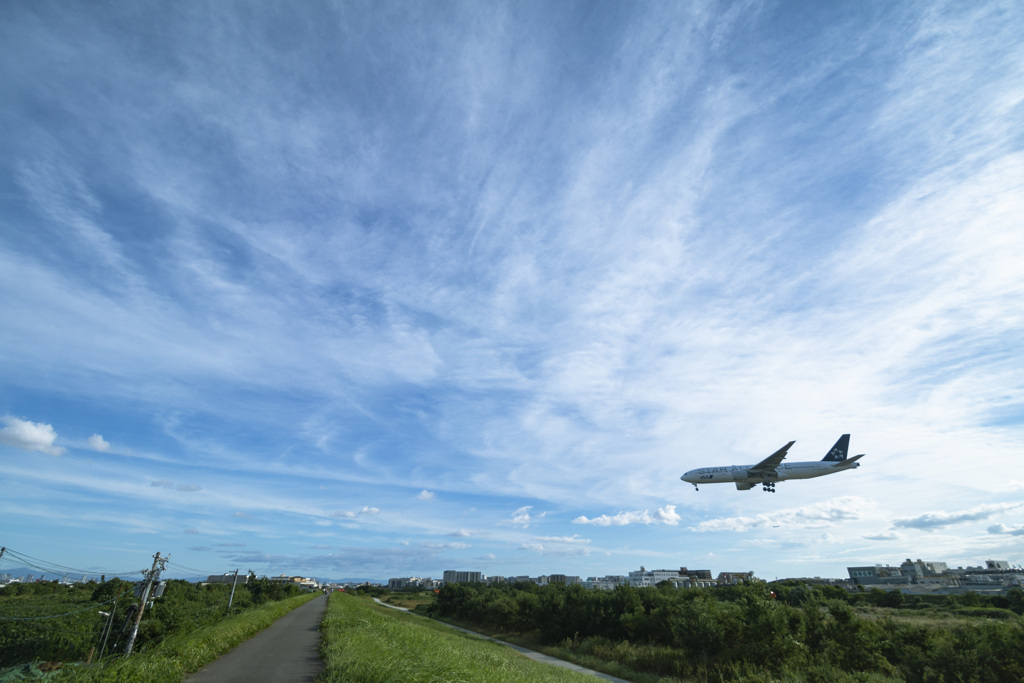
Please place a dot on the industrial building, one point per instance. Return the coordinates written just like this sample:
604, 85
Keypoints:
918, 577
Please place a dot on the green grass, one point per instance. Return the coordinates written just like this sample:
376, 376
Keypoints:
410, 600
366, 643
179, 655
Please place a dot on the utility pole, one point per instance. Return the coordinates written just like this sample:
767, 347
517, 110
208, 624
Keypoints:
233, 583
151, 576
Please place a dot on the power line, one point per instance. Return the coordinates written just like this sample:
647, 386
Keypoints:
198, 572
55, 568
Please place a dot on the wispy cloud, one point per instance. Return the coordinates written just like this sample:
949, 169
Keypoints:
575, 538
165, 484
827, 513
663, 515
496, 260
937, 520
523, 518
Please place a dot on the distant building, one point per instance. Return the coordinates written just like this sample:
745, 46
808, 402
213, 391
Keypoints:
696, 574
920, 568
605, 583
733, 578
294, 580
412, 583
878, 575
562, 578
922, 578
452, 576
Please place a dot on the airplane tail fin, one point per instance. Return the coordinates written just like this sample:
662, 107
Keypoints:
839, 451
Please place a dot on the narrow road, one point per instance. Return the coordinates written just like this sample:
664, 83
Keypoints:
286, 652
532, 654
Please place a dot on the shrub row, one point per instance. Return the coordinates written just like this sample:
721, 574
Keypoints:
730, 634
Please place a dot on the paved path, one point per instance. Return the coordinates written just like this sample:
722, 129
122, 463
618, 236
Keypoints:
286, 652
532, 654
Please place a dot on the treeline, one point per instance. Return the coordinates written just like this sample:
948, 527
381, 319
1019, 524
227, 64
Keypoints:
750, 632
50, 621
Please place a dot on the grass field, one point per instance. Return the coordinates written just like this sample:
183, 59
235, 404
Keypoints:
177, 656
366, 643
410, 600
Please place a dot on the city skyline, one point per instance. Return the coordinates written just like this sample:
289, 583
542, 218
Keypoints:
358, 289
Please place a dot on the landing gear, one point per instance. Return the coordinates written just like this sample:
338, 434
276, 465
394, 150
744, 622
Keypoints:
768, 486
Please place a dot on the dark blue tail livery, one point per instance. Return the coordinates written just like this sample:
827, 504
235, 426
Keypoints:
839, 451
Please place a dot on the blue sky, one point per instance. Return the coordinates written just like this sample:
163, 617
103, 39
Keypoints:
383, 289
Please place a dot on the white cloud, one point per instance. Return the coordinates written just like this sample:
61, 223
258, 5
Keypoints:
1003, 529
426, 495
665, 515
97, 443
522, 517
823, 514
29, 436
349, 514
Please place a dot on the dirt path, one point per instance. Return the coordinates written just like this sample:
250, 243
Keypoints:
286, 652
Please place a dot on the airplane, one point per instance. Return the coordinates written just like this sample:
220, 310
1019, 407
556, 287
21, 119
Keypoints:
772, 470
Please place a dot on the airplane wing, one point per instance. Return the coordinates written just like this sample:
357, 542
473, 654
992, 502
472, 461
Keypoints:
767, 466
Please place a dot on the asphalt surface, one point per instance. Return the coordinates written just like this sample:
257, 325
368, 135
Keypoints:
286, 652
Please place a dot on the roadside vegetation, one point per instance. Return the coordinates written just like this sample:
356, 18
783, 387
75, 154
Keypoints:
410, 599
757, 632
362, 642
185, 629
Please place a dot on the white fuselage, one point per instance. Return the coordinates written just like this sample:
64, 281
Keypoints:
784, 471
